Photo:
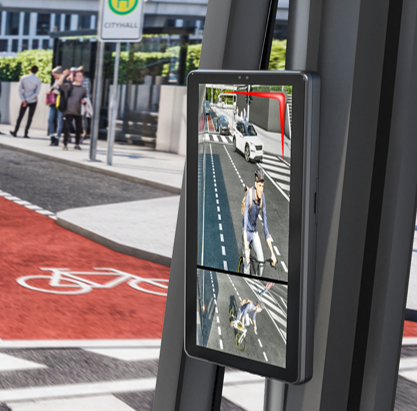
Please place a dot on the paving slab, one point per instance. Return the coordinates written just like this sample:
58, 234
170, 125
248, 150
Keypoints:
130, 162
143, 229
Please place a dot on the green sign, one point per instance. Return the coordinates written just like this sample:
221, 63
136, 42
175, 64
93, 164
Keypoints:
123, 7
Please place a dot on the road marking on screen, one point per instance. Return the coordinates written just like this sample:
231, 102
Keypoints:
217, 201
221, 238
276, 250
225, 265
217, 196
220, 227
284, 266
219, 330
266, 358
218, 209
223, 250
215, 301
218, 321
260, 343
220, 217
221, 344
217, 311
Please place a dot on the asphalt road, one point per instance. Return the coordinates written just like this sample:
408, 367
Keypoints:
223, 292
226, 173
56, 187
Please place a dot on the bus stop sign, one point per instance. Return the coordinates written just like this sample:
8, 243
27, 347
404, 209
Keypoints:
121, 20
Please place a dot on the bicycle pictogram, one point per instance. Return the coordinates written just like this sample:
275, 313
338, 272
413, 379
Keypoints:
65, 282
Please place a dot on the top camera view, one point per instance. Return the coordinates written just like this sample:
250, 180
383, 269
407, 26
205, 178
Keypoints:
244, 179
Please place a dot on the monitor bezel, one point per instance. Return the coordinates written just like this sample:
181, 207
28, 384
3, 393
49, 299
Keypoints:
299, 81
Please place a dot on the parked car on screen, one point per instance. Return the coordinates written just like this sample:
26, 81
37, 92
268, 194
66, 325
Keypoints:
223, 125
246, 140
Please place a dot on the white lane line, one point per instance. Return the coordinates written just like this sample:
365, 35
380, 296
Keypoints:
218, 321
217, 311
77, 390
220, 227
221, 238
217, 196
217, 201
215, 190
225, 265
218, 209
266, 358
221, 344
260, 342
219, 216
215, 301
276, 250
223, 250
219, 330
284, 266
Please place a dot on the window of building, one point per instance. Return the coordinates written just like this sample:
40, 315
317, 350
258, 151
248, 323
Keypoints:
3, 45
12, 24
25, 44
45, 44
84, 21
43, 25
35, 44
67, 22
26, 24
57, 25
15, 45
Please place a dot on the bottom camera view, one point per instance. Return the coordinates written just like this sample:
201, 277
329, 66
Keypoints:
243, 316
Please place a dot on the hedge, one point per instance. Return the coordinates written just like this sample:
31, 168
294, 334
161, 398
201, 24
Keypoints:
12, 68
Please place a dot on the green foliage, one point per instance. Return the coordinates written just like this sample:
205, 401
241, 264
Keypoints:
278, 55
133, 65
12, 68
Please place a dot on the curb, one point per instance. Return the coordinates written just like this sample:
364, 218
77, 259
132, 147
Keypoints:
113, 245
110, 173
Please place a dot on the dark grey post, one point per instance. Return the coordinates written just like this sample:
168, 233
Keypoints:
185, 384
365, 52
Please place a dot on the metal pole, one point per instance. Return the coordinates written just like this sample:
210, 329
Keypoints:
97, 100
113, 108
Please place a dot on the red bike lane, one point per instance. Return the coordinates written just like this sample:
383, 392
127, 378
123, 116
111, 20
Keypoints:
30, 241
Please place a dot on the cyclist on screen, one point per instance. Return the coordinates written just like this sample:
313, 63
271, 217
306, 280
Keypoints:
250, 217
247, 308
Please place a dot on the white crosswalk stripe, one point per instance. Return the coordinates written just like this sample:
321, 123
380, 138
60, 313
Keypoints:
216, 138
278, 171
11, 363
274, 305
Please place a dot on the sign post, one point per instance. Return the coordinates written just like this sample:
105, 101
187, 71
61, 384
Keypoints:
119, 21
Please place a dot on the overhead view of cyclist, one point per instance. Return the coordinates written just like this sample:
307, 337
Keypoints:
255, 201
247, 308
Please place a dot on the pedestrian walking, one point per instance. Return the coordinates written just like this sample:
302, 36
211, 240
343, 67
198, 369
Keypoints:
75, 95
29, 88
54, 113
86, 83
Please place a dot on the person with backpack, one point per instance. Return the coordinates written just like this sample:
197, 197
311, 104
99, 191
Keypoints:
54, 113
252, 204
71, 98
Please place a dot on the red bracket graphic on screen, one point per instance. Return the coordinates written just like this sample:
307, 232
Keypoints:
276, 96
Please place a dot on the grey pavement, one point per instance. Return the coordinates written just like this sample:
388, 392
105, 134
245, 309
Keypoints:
79, 189
143, 229
133, 163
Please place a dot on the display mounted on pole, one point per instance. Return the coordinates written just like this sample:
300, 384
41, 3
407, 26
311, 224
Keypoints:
121, 20
250, 273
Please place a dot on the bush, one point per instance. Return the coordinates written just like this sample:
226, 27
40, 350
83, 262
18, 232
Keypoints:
12, 68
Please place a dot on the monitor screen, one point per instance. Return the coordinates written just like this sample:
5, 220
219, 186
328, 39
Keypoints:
244, 191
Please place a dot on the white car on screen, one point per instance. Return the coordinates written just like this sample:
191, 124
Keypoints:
246, 140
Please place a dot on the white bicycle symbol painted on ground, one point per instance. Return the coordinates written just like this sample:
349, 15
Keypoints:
62, 279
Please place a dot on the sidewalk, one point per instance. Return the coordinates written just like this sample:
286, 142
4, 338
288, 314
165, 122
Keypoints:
143, 229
